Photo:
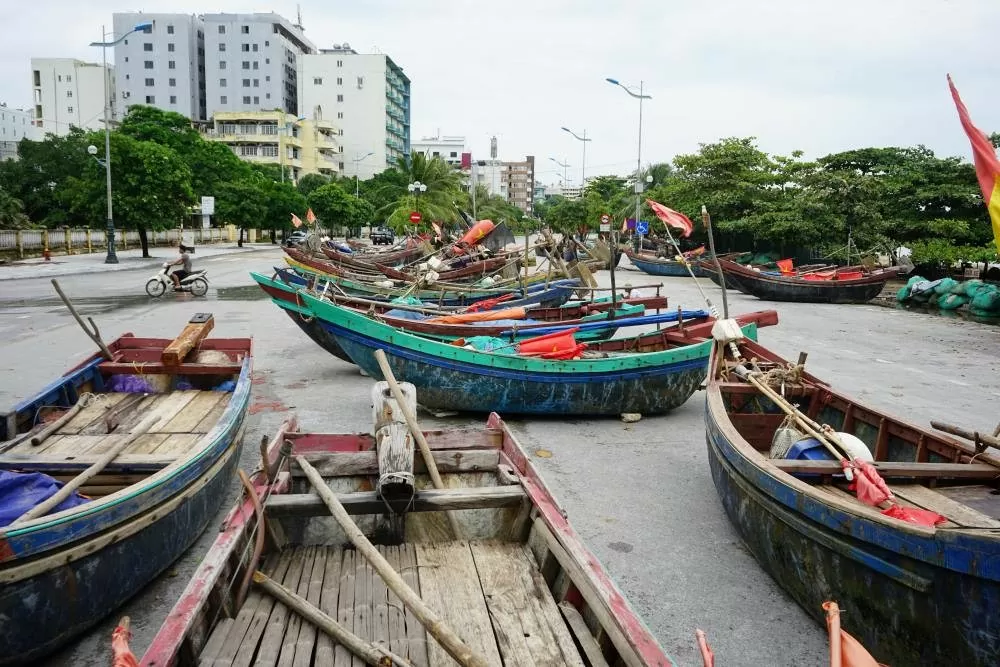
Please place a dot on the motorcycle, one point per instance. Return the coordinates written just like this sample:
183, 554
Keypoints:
196, 283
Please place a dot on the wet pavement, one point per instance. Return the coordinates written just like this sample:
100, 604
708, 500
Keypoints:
640, 495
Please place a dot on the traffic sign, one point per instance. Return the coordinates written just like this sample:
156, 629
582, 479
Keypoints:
605, 219
415, 217
207, 205
642, 227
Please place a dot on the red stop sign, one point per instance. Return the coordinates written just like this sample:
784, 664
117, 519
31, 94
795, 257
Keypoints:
415, 217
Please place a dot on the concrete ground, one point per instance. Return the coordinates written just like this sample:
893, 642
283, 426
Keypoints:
640, 495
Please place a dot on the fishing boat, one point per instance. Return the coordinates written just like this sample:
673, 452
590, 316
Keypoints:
649, 374
483, 564
659, 266
918, 575
108, 474
844, 285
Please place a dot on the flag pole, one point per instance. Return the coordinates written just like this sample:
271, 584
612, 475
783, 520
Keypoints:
670, 237
707, 219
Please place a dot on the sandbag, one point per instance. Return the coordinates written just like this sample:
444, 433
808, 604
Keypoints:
952, 301
944, 286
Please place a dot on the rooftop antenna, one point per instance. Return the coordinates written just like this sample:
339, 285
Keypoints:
298, 17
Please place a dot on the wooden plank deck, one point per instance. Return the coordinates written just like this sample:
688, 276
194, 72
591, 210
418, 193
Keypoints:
491, 594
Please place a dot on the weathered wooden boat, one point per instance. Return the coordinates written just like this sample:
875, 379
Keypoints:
774, 287
912, 594
516, 585
472, 270
166, 423
659, 266
649, 374
364, 263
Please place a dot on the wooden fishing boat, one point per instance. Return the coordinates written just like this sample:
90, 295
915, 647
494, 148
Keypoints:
363, 263
649, 374
157, 428
853, 286
515, 585
912, 594
476, 269
659, 266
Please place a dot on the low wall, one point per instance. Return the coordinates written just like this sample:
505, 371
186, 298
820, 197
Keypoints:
33, 242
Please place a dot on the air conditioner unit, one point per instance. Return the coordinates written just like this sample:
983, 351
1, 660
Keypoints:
126, 94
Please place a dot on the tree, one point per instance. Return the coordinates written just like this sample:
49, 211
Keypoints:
311, 182
39, 178
567, 215
437, 203
333, 206
152, 187
12, 212
242, 203
281, 200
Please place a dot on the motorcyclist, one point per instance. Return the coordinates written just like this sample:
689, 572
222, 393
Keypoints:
184, 261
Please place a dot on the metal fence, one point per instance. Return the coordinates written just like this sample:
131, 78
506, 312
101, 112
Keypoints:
33, 241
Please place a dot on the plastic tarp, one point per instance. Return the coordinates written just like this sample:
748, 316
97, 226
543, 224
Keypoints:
20, 491
405, 315
486, 316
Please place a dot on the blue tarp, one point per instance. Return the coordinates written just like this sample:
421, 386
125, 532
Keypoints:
20, 491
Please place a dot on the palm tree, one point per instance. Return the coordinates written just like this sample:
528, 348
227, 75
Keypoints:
438, 202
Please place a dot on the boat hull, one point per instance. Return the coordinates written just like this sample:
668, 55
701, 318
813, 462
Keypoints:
664, 268
778, 288
45, 611
906, 611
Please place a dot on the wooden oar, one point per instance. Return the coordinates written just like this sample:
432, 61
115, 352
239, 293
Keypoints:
433, 623
94, 335
418, 435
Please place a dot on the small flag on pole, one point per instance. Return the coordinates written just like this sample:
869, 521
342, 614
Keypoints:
296, 220
672, 217
985, 158
310, 216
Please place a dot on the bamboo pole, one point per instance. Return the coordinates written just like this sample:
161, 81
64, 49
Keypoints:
433, 623
975, 436
57, 424
94, 335
418, 435
372, 654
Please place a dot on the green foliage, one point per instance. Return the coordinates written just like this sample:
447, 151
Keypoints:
333, 206
311, 182
494, 207
566, 215
944, 253
438, 203
12, 212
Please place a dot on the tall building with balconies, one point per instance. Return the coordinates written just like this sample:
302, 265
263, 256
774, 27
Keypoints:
368, 96
69, 93
299, 146
520, 180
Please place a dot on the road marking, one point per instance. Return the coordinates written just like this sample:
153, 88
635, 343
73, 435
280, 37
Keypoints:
959, 383
884, 361
23, 317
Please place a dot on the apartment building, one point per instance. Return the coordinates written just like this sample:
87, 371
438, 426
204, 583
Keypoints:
367, 96
67, 92
299, 146
15, 124
252, 62
448, 148
520, 180
162, 66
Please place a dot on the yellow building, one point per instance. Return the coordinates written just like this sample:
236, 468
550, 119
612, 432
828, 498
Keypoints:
298, 145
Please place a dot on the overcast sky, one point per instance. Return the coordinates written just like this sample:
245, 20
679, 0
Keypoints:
815, 75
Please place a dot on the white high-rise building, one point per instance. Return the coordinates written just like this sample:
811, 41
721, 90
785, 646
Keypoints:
448, 148
252, 62
367, 96
68, 92
162, 66
15, 124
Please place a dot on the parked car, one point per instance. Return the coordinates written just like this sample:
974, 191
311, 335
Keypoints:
296, 237
382, 235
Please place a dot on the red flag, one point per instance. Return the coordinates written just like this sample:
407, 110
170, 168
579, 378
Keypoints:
296, 220
672, 217
310, 216
987, 165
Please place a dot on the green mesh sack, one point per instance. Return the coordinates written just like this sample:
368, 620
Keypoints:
952, 301
903, 295
407, 300
987, 300
945, 286
972, 286
914, 280
984, 313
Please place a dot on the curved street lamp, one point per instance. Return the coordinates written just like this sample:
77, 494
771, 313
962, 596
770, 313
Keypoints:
565, 166
358, 159
112, 257
583, 168
416, 188
638, 169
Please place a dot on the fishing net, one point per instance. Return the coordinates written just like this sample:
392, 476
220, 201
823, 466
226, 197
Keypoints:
986, 299
784, 437
952, 301
944, 286
973, 286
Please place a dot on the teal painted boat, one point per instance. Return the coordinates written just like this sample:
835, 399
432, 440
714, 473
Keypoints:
649, 374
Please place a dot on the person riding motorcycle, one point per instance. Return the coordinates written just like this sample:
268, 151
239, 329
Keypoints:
185, 262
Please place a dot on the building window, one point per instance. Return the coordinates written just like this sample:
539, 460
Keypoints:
69, 93
173, 99
148, 64
361, 81
172, 83
126, 58
222, 30
246, 48
246, 64
222, 83
222, 46
340, 132
340, 81
267, 61
256, 99
267, 78
222, 64
269, 151
127, 77
150, 99
68, 110
171, 64
340, 63
69, 78
256, 64
245, 29
170, 29
267, 43
317, 81
246, 99
224, 100
255, 48
149, 82
454, 154
147, 46
256, 83
267, 96
340, 115
170, 47
340, 98
246, 83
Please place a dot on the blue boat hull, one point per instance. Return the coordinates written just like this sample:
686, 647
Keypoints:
664, 268
453, 385
905, 597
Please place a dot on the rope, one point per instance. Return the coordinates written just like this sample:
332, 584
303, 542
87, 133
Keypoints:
401, 477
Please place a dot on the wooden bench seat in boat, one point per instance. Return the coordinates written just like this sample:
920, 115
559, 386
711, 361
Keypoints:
959, 514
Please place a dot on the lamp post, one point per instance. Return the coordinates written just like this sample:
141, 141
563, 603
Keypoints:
565, 166
281, 149
583, 167
356, 161
112, 257
416, 188
638, 169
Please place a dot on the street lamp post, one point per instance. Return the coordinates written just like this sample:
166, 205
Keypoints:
112, 257
416, 188
281, 149
583, 167
565, 166
638, 169
357, 160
